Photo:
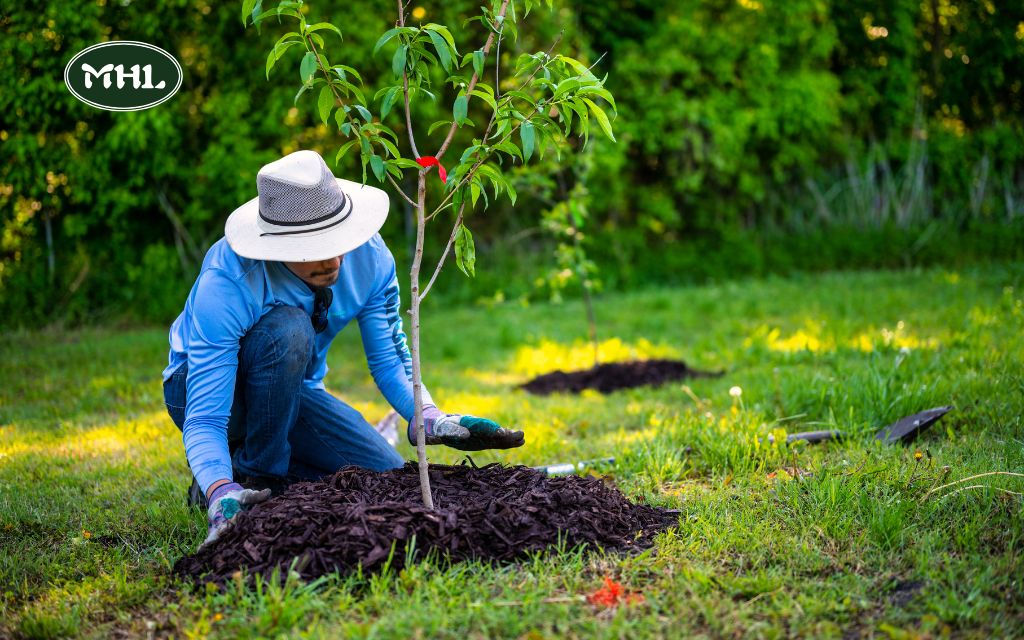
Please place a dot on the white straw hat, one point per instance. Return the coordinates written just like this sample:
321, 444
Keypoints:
304, 214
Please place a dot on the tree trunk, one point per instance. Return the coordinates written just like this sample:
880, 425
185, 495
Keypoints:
417, 373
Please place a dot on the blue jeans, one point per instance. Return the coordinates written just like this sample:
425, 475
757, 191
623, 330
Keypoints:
279, 427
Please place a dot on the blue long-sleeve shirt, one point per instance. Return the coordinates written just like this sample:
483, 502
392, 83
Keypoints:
232, 293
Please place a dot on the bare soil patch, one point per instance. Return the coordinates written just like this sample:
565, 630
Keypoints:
613, 376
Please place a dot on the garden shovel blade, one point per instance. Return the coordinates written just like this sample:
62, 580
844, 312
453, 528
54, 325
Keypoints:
906, 429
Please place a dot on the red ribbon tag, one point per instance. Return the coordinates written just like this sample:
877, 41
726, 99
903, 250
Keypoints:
429, 161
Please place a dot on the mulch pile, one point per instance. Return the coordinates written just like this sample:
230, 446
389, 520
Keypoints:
614, 376
493, 513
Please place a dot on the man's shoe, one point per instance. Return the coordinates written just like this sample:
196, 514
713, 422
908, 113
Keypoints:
196, 497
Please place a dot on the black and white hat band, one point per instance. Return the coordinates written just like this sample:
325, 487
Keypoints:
308, 201
287, 228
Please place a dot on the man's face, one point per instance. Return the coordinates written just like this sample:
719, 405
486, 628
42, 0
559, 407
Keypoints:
322, 273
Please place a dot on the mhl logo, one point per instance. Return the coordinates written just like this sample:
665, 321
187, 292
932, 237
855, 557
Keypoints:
105, 73
123, 75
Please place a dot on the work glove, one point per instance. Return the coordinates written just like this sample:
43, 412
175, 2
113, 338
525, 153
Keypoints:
466, 433
227, 501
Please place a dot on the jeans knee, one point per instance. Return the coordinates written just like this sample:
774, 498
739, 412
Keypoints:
287, 334
390, 459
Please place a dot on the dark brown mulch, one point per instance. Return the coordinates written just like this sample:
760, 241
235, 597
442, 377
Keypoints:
491, 513
614, 376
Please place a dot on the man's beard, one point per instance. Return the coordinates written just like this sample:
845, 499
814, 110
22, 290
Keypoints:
321, 283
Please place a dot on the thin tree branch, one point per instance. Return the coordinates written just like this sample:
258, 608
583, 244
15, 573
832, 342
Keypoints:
472, 84
444, 256
179, 227
405, 90
399, 189
497, 65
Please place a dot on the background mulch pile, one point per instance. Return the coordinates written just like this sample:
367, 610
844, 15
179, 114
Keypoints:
494, 513
614, 376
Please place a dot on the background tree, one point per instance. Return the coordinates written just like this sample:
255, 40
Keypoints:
755, 137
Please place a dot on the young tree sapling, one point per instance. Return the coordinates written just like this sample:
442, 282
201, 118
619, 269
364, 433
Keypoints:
554, 96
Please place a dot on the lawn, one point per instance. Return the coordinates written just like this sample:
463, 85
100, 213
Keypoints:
835, 540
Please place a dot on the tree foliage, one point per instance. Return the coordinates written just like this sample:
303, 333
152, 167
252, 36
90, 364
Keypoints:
732, 115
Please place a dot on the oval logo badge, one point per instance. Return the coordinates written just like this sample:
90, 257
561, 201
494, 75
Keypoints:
123, 75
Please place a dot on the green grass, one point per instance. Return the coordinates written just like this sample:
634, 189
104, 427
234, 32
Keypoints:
92, 473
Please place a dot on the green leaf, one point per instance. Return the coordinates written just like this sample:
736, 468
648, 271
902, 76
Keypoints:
601, 92
344, 149
389, 101
356, 91
290, 34
478, 62
381, 128
307, 67
511, 149
579, 67
342, 69
398, 61
439, 123
565, 86
391, 147
419, 51
377, 164
247, 7
363, 111
528, 136
442, 49
276, 53
325, 102
468, 153
460, 108
465, 251
388, 35
302, 90
445, 33
602, 118
405, 163
486, 97
282, 10
324, 25
346, 127
515, 93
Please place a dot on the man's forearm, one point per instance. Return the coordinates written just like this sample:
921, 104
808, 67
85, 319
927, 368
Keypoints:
206, 447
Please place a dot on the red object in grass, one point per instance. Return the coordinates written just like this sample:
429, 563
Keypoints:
612, 594
430, 161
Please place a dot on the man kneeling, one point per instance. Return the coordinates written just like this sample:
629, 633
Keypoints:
247, 361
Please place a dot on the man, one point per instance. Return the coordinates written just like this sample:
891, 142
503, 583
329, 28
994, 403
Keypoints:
244, 380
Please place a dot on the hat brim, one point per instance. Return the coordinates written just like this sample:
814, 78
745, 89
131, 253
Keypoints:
369, 211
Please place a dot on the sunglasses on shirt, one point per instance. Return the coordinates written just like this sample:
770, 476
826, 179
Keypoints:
321, 303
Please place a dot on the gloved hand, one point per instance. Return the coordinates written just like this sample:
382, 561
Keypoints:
227, 501
466, 433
